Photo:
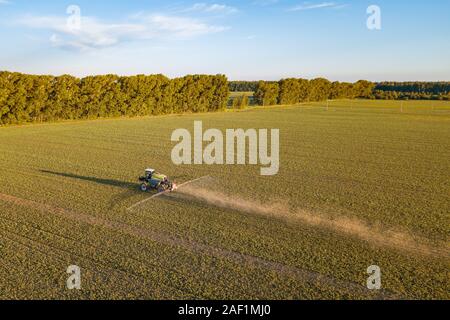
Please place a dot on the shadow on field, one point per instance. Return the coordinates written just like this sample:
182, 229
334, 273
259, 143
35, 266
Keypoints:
132, 189
107, 182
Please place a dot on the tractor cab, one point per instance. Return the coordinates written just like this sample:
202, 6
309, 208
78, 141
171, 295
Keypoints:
149, 173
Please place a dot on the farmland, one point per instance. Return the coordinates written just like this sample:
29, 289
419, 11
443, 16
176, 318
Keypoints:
352, 175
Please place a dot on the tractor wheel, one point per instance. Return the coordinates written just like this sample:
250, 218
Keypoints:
144, 187
161, 189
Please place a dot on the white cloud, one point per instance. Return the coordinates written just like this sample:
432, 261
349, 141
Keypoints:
94, 33
181, 26
5, 2
213, 8
312, 6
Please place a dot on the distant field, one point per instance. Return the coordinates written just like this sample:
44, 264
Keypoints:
361, 183
239, 94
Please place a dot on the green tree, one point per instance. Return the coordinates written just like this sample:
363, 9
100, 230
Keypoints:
363, 89
319, 89
240, 102
267, 93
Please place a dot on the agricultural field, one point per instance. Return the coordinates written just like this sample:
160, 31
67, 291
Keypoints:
361, 183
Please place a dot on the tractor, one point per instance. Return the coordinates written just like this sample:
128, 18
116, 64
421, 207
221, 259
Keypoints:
155, 181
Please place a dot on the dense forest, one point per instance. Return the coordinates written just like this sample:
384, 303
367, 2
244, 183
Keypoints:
31, 98
382, 90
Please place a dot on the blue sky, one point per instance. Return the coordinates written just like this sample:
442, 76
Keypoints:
246, 40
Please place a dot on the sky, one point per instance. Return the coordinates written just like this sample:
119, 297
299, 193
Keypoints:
409, 40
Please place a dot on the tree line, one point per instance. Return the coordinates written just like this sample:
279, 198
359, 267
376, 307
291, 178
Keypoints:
302, 90
243, 86
291, 91
40, 98
412, 90
428, 87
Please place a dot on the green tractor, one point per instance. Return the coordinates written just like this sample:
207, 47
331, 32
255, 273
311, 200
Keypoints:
155, 181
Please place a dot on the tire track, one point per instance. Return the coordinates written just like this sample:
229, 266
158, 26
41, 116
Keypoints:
144, 264
99, 270
314, 278
51, 251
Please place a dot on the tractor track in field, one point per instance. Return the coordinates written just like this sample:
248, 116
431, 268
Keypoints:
101, 271
312, 277
145, 264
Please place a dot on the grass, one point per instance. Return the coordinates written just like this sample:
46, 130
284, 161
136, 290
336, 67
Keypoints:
65, 187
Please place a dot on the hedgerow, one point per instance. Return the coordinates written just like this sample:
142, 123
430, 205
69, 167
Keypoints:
37, 98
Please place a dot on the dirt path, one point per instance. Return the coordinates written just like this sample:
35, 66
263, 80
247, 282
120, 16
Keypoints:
314, 278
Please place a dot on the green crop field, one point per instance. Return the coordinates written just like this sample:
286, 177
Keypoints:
361, 183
